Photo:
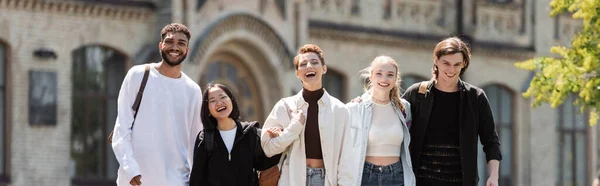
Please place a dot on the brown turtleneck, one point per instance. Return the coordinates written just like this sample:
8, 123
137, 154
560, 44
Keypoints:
312, 138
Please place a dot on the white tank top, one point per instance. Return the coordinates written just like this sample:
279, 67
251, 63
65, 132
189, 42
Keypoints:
386, 133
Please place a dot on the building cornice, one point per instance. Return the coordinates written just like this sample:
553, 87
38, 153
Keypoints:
369, 39
123, 10
418, 42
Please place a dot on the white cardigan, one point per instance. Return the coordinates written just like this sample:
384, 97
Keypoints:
336, 142
360, 117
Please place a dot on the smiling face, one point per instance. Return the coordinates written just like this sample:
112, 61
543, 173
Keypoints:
451, 58
219, 103
383, 76
449, 67
310, 70
174, 48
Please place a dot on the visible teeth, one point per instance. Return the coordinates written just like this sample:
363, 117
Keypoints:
220, 109
310, 73
451, 75
384, 84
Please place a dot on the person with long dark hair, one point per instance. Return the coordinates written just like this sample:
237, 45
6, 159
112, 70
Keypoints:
227, 151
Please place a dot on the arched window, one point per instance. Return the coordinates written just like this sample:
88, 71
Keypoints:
501, 101
97, 74
573, 147
3, 121
231, 72
409, 80
335, 84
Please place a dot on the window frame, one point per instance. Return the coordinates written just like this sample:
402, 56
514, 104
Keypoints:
344, 80
562, 131
105, 97
5, 175
512, 125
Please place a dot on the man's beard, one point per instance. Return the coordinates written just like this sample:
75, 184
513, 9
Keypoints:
163, 54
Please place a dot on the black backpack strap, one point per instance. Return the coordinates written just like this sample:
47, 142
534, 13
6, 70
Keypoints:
257, 148
209, 140
422, 91
423, 87
138, 99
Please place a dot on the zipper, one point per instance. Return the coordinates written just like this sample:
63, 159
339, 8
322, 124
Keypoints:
236, 142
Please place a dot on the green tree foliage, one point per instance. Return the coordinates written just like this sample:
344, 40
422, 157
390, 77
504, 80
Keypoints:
576, 70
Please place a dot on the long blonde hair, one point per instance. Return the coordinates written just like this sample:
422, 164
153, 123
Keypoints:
368, 85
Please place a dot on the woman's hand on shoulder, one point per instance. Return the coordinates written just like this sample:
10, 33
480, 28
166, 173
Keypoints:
274, 131
356, 100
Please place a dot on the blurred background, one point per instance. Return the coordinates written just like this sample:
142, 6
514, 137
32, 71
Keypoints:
62, 63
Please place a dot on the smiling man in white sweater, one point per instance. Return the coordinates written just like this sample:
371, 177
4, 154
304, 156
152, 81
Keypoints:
157, 149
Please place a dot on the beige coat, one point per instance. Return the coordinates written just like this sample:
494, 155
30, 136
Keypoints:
335, 141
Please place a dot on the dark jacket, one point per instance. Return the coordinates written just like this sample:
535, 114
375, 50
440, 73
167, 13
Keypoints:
475, 120
213, 168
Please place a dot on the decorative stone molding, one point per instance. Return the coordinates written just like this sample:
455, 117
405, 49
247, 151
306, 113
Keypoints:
423, 13
566, 28
82, 8
247, 23
341, 7
422, 16
421, 42
369, 38
502, 21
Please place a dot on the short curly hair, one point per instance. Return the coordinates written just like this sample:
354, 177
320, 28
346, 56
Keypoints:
306, 49
174, 28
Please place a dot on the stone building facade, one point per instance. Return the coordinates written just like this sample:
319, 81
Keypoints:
81, 49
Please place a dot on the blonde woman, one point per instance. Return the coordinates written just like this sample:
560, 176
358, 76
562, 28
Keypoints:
379, 128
